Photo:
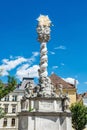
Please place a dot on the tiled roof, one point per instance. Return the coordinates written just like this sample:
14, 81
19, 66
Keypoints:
84, 94
56, 81
81, 96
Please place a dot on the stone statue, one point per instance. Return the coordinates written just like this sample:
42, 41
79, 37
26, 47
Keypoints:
24, 104
29, 90
66, 104
60, 90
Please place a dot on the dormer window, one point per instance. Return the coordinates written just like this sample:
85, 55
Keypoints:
14, 98
6, 98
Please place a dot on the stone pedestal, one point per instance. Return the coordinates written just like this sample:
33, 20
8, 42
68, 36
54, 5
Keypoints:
45, 114
44, 121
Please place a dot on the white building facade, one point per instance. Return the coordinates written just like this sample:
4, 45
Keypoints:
85, 99
11, 105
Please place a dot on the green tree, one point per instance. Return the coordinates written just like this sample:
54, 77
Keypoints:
2, 113
79, 116
6, 89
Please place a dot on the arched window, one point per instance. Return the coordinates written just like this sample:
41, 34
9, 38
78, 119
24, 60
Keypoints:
13, 122
5, 122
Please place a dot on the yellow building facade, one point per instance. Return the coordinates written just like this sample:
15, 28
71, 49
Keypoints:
68, 88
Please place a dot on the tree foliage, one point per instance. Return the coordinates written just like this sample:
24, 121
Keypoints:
2, 113
6, 89
79, 116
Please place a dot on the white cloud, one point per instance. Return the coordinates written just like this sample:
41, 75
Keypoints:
60, 47
85, 82
51, 52
13, 62
8, 65
52, 72
35, 53
71, 80
32, 58
62, 64
11, 57
54, 67
27, 71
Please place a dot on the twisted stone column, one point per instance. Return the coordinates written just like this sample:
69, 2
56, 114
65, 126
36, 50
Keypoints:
43, 31
43, 60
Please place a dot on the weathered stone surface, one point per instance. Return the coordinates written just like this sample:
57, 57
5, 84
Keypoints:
45, 114
45, 121
23, 123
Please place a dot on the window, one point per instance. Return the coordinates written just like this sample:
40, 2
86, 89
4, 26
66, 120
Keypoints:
5, 122
13, 108
13, 122
7, 98
14, 98
6, 108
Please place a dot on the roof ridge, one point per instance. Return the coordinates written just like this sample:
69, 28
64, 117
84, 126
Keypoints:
56, 80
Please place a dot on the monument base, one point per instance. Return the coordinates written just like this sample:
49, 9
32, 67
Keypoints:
45, 114
45, 121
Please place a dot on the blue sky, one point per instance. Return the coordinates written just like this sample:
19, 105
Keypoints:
67, 49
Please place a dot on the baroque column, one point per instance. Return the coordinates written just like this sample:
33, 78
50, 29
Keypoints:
43, 30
